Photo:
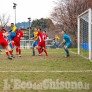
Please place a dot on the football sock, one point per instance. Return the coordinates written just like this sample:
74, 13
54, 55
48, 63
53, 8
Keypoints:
33, 52
10, 52
7, 53
19, 51
67, 52
39, 49
57, 46
16, 50
45, 51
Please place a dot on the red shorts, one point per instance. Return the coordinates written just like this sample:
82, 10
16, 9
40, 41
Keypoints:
17, 43
3, 42
41, 44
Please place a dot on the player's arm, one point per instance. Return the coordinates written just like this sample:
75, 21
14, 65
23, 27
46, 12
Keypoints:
47, 38
32, 37
68, 37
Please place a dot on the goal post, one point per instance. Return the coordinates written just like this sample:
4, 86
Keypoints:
85, 34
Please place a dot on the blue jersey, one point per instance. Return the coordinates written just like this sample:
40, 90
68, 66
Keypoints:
66, 38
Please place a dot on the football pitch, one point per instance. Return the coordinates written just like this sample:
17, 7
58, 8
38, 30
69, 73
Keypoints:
53, 73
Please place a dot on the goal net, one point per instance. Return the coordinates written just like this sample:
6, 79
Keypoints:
85, 34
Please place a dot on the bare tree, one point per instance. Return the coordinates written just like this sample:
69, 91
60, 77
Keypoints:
4, 20
65, 13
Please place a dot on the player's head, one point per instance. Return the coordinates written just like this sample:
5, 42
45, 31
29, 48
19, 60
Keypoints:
3, 30
63, 32
12, 24
44, 32
35, 29
21, 29
39, 30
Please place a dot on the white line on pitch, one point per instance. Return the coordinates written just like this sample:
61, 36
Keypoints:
81, 56
71, 71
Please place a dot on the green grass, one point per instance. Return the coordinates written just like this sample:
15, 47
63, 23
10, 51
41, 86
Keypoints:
54, 62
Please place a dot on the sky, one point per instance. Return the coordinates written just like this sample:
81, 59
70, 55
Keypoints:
35, 9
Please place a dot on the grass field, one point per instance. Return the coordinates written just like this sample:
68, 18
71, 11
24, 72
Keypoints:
39, 68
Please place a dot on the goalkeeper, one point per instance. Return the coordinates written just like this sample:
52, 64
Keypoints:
68, 42
12, 34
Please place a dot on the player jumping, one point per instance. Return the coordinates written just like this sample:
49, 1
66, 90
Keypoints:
12, 33
4, 43
16, 40
68, 41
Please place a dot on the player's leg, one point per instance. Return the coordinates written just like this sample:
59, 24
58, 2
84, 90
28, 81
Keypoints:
7, 53
66, 50
19, 51
33, 46
57, 45
43, 48
38, 47
10, 51
67, 45
10, 43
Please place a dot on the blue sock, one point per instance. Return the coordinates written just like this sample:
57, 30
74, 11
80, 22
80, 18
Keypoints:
11, 46
9, 37
33, 52
38, 52
57, 46
67, 52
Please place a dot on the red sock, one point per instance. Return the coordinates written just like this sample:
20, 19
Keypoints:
42, 50
19, 51
16, 50
45, 51
39, 49
7, 53
10, 52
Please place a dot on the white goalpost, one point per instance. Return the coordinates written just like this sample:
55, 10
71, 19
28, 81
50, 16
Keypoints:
85, 34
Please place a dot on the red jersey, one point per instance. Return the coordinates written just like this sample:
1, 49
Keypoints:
18, 36
40, 36
45, 37
1, 34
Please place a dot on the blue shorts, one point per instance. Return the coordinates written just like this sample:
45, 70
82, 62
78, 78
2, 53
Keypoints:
35, 43
69, 44
13, 34
56, 43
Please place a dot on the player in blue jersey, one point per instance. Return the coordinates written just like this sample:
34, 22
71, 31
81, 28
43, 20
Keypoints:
12, 33
68, 41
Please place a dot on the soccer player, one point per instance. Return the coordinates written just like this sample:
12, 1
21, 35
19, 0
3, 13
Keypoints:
35, 43
68, 41
16, 40
41, 43
12, 34
45, 38
4, 43
56, 40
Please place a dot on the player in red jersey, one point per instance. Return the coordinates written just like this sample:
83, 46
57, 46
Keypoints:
45, 38
41, 42
17, 42
4, 43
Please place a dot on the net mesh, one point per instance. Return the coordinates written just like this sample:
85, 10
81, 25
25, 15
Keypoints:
84, 35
